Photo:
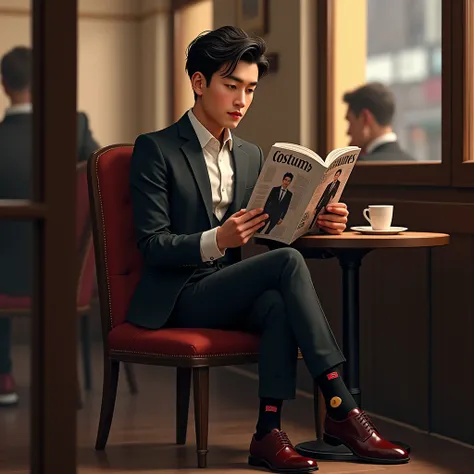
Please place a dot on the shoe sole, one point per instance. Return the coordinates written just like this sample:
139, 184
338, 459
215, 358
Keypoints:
9, 399
258, 462
331, 440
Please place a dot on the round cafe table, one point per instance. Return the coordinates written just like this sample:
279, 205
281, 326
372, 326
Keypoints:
350, 248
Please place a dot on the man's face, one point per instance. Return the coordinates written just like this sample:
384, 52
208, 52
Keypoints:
336, 176
357, 129
227, 99
286, 182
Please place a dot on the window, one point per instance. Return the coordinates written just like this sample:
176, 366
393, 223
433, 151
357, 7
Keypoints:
410, 46
402, 40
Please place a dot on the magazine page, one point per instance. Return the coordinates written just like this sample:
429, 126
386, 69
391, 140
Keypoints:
283, 189
301, 149
340, 165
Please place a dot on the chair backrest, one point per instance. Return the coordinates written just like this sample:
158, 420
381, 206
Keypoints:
118, 260
86, 279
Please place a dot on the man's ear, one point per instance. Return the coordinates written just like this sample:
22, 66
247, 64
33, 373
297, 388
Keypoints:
198, 82
367, 116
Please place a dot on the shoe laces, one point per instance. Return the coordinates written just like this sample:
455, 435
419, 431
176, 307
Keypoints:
284, 440
366, 422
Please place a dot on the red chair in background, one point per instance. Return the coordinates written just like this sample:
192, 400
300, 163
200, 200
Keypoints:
13, 306
119, 264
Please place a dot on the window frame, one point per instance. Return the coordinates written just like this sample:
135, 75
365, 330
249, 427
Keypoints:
453, 95
463, 95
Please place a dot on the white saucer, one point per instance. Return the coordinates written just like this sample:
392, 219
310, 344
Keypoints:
368, 230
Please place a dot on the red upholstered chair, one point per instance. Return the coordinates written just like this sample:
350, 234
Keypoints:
119, 264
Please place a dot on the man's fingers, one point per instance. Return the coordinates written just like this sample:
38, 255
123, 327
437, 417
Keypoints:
251, 223
332, 224
340, 209
329, 219
251, 231
328, 226
239, 213
247, 215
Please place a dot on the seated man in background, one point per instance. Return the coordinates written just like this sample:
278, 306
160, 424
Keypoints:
370, 111
16, 182
194, 275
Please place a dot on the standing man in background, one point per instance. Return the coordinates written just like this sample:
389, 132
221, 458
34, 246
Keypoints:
16, 182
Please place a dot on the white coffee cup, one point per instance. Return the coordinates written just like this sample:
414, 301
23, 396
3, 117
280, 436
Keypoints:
379, 216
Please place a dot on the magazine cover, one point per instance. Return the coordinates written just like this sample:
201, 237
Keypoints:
283, 189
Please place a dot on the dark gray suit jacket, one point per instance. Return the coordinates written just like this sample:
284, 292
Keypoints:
172, 207
387, 152
16, 182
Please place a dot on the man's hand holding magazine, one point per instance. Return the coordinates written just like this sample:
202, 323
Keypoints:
335, 219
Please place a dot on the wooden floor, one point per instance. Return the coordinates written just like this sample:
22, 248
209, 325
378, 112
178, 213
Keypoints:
142, 435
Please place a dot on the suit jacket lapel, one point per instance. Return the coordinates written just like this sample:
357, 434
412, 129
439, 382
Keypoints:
241, 163
193, 153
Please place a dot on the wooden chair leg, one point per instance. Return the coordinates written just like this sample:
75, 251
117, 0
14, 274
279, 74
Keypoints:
183, 389
201, 412
79, 394
131, 379
86, 351
109, 393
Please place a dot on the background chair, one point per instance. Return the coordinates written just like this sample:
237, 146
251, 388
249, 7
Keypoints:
13, 306
119, 264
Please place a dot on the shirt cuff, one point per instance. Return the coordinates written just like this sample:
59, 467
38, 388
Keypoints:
209, 249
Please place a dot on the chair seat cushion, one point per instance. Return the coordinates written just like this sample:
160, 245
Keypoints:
14, 303
178, 342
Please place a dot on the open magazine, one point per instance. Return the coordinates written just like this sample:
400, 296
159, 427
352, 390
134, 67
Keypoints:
294, 187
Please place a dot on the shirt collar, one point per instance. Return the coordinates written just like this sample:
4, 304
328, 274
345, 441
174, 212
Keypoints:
19, 109
387, 138
204, 135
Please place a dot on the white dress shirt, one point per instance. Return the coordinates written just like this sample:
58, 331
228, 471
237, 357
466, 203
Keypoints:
282, 194
221, 175
19, 109
387, 138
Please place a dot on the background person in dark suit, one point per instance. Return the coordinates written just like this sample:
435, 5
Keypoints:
194, 275
277, 203
370, 111
16, 182
329, 194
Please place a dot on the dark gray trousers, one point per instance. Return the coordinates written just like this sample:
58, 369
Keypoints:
271, 294
5, 345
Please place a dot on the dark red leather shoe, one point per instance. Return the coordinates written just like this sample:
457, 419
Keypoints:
359, 434
275, 452
8, 395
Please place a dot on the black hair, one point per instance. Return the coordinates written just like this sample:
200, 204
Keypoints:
15, 68
288, 175
375, 97
227, 45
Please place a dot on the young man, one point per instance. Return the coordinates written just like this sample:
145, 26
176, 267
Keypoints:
16, 238
190, 184
277, 204
370, 110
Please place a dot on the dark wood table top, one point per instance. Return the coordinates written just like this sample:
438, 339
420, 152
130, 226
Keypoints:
356, 240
